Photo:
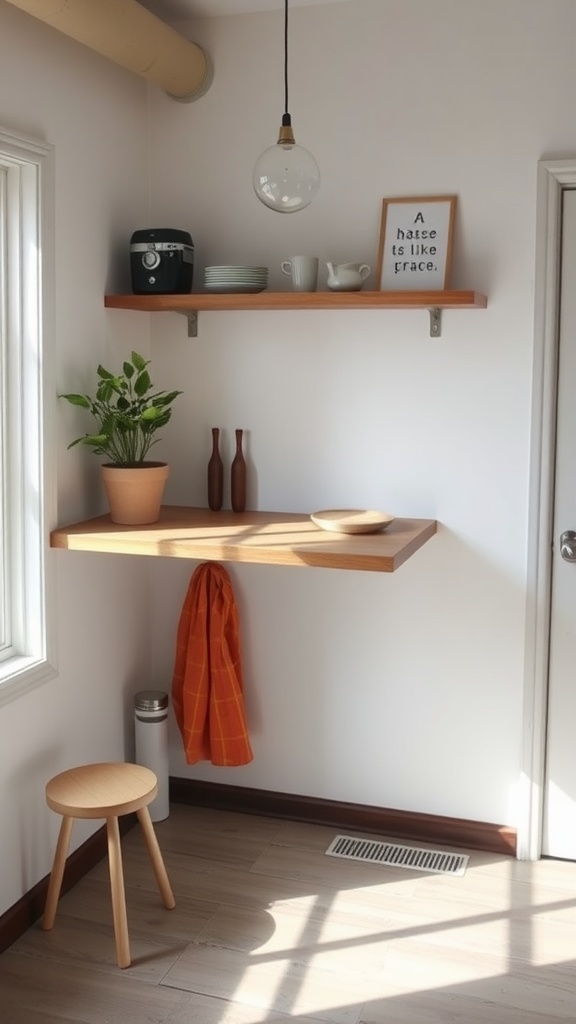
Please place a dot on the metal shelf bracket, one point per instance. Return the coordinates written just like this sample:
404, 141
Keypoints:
192, 318
435, 322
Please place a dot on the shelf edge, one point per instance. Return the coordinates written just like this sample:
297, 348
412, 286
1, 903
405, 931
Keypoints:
277, 301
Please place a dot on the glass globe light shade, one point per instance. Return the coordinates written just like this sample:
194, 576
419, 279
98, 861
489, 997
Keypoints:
286, 177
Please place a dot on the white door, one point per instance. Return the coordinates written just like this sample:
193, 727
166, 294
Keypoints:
559, 836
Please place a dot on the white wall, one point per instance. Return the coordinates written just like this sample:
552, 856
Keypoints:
401, 691
404, 690
96, 117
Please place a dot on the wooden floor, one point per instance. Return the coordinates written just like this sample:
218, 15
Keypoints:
267, 928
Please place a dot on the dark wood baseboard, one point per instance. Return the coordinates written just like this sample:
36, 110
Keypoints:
426, 828
27, 910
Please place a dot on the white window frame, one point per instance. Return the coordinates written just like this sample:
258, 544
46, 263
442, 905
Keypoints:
27, 492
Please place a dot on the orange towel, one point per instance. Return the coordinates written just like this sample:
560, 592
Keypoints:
207, 683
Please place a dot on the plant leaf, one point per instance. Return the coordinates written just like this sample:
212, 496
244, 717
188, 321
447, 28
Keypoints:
142, 383
151, 413
81, 400
166, 398
105, 391
139, 362
94, 440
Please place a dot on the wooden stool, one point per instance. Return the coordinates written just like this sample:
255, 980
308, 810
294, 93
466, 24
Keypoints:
105, 791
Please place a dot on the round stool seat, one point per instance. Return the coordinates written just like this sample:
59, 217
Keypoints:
101, 790
108, 791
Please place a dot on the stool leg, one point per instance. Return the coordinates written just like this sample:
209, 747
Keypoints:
118, 893
156, 858
57, 874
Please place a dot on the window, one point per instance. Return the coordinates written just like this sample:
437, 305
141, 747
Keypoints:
26, 234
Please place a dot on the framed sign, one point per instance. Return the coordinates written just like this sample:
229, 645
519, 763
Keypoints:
415, 251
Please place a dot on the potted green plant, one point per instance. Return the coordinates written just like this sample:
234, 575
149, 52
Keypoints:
128, 412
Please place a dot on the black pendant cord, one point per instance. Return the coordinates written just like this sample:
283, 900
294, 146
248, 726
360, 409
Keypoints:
285, 56
286, 118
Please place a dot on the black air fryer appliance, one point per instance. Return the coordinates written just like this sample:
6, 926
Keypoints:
161, 262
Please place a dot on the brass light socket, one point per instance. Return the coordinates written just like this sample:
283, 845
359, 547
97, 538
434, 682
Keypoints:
286, 136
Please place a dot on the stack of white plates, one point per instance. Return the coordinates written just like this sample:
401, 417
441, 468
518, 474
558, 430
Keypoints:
235, 279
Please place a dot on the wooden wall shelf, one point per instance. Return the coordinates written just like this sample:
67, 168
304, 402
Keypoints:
298, 300
272, 538
192, 304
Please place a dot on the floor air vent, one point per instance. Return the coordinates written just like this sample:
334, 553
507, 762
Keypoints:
392, 855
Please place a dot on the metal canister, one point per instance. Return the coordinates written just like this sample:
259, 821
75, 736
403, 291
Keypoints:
151, 734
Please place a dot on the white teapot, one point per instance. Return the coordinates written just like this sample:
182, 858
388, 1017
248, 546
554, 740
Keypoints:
347, 277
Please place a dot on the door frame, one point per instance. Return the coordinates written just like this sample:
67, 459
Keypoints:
554, 176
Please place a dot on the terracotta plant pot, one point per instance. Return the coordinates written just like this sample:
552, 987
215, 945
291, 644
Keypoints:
135, 494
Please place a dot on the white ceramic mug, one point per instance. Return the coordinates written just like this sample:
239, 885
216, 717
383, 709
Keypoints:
304, 272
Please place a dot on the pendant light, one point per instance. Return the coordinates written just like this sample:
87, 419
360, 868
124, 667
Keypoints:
286, 177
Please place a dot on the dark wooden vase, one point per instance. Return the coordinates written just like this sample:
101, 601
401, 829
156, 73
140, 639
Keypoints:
238, 476
215, 474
